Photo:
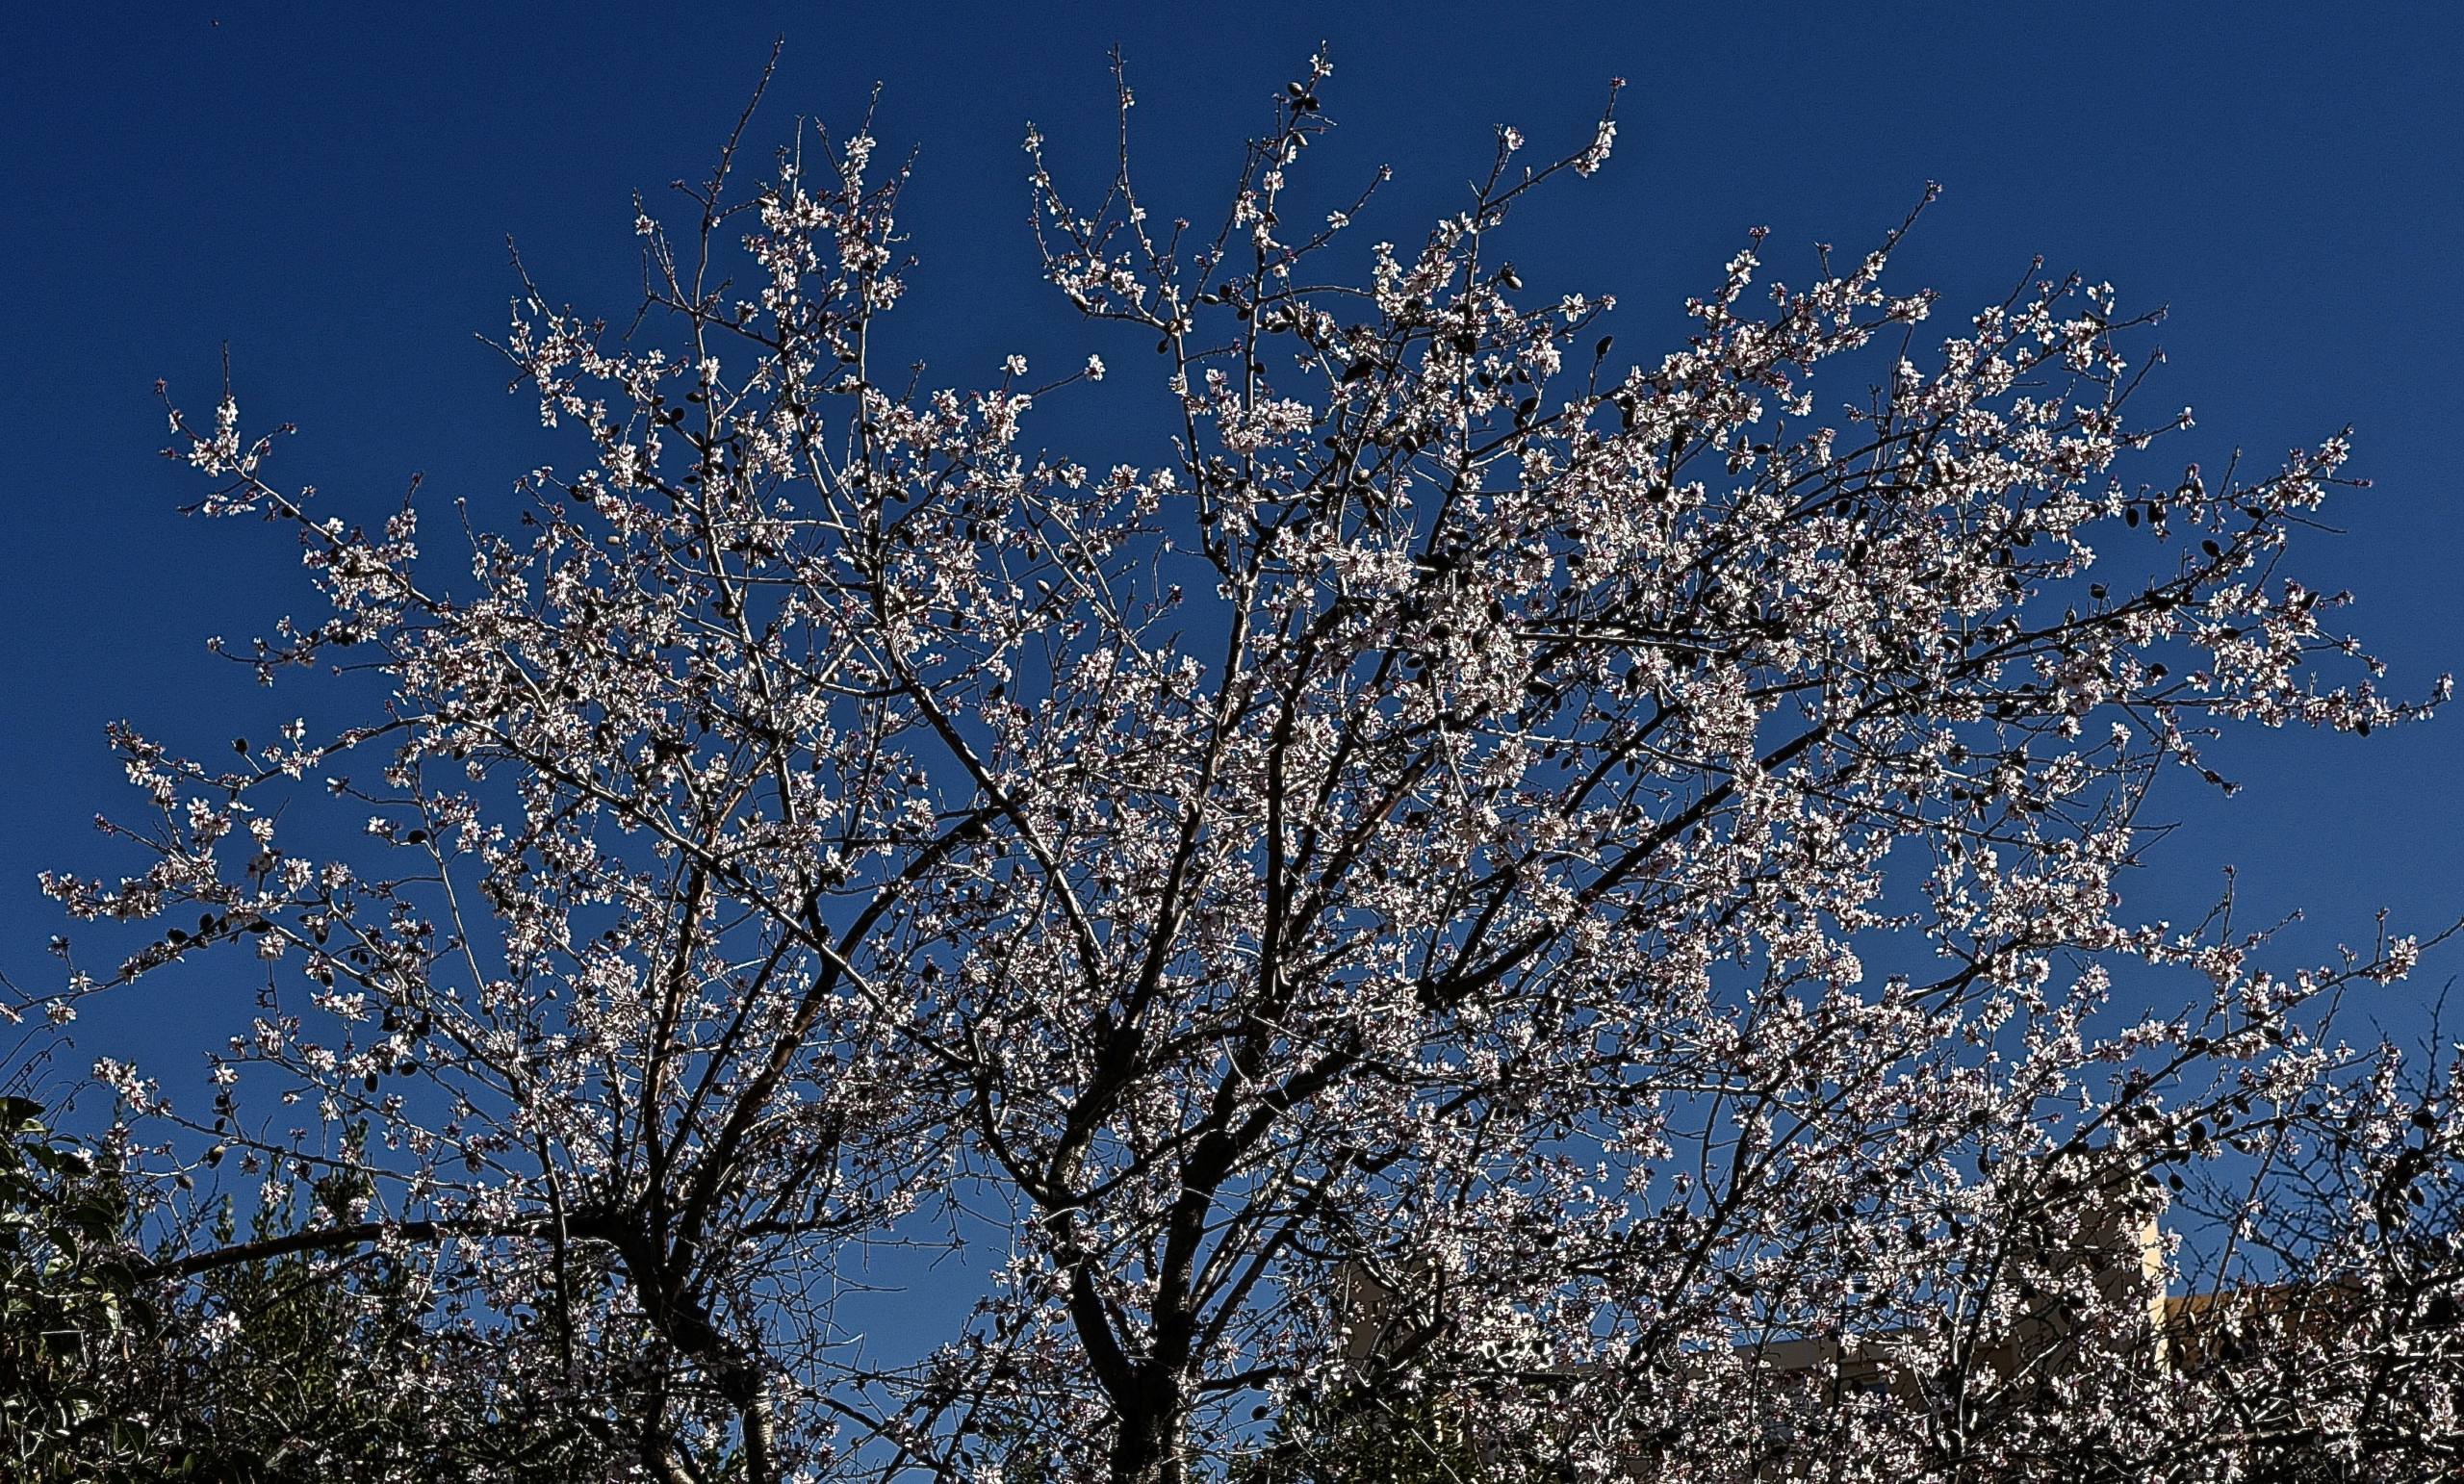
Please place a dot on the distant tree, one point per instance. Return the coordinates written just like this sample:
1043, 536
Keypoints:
1366, 1436
1624, 854
70, 1314
274, 1369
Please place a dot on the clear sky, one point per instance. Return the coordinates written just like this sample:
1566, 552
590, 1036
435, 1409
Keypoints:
329, 191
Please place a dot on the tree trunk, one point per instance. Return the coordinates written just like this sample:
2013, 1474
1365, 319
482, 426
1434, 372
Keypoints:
1148, 1442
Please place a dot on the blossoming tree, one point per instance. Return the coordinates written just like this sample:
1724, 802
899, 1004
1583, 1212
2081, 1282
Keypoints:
1467, 869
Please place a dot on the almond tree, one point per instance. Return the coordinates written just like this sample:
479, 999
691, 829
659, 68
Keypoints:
1616, 858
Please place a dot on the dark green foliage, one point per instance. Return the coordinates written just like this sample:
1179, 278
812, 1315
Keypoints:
1362, 1437
286, 1368
75, 1321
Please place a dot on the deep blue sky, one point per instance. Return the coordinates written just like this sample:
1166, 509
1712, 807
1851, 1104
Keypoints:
330, 193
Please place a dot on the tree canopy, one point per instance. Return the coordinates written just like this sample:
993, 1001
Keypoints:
1458, 877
